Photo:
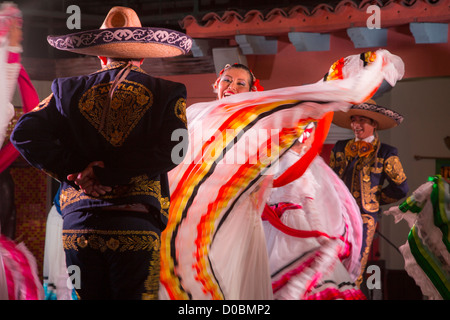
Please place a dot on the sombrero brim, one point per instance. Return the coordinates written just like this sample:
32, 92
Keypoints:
385, 118
127, 42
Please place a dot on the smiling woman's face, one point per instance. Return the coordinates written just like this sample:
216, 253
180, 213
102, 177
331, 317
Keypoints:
233, 81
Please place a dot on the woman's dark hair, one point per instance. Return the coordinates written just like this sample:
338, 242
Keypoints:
254, 83
243, 67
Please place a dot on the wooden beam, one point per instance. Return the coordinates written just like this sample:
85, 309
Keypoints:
429, 157
49, 69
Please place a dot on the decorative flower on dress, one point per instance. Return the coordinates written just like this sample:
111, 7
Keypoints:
335, 72
256, 85
368, 57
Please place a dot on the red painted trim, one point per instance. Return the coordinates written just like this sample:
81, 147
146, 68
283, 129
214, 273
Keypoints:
321, 19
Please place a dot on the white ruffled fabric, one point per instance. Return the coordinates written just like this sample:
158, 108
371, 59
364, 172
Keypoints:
328, 207
238, 254
419, 276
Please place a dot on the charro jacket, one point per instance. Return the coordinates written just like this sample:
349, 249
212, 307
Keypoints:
64, 134
372, 172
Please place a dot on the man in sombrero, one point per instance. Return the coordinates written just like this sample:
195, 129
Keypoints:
371, 169
106, 137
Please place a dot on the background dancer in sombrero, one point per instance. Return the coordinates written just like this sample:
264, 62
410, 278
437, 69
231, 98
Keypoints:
371, 169
106, 137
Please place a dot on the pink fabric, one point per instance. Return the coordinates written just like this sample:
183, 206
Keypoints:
279, 209
334, 294
13, 57
9, 282
277, 285
21, 279
30, 99
272, 214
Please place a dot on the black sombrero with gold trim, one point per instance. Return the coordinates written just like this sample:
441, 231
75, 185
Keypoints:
122, 36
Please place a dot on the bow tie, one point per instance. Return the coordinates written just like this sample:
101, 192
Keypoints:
358, 148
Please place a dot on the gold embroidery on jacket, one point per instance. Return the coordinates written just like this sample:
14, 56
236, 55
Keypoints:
379, 168
370, 199
165, 204
140, 185
365, 195
332, 161
180, 110
129, 103
370, 196
151, 284
114, 240
370, 223
71, 195
43, 104
394, 170
338, 161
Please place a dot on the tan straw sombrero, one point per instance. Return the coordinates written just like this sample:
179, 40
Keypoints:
122, 36
385, 117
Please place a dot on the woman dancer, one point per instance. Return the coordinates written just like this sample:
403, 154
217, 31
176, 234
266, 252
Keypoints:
214, 245
316, 201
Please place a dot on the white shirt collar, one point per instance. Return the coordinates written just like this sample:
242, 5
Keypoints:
368, 139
